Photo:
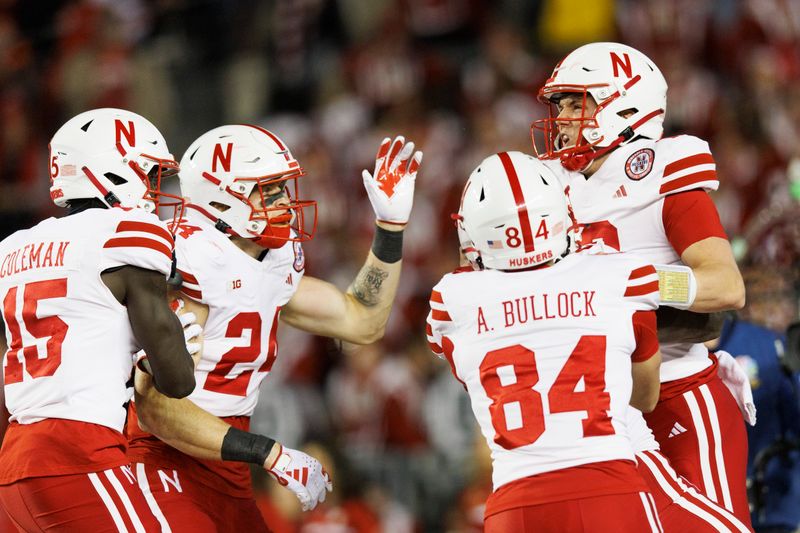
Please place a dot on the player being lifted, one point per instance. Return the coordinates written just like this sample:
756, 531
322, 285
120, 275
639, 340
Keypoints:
551, 349
80, 295
635, 191
241, 260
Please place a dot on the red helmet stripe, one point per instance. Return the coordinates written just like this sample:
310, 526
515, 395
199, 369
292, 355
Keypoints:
631, 82
211, 178
270, 135
522, 208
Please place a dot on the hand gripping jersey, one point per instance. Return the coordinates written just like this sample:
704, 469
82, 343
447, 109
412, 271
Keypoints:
70, 342
545, 356
244, 297
627, 205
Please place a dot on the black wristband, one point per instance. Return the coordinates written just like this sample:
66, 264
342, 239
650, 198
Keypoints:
387, 245
245, 447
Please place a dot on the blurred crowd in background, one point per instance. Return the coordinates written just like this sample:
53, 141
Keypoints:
459, 77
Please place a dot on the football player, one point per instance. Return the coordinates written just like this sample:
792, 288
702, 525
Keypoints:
634, 191
80, 295
241, 262
551, 355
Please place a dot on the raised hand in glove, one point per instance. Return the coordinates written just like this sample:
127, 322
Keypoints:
391, 186
302, 474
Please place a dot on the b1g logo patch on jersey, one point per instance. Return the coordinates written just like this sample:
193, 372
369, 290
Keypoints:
640, 163
299, 257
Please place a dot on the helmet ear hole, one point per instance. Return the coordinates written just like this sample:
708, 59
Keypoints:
116, 179
626, 113
219, 206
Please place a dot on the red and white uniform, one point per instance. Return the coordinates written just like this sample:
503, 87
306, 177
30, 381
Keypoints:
650, 198
545, 356
67, 364
244, 297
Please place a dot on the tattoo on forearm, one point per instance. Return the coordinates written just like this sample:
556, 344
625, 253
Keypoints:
367, 286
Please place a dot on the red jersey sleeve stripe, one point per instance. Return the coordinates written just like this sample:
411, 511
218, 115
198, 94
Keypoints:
688, 162
435, 348
641, 290
428, 329
441, 316
685, 181
192, 293
188, 277
642, 272
447, 349
130, 225
139, 242
436, 296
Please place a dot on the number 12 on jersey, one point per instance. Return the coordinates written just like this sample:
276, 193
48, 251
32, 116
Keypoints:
509, 374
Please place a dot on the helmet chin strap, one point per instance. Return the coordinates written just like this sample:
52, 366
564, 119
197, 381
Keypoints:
273, 237
580, 162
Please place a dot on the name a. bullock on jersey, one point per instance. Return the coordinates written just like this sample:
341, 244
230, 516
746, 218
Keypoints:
34, 255
545, 306
530, 260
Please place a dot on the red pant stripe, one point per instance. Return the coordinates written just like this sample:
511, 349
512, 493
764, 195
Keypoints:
109, 503
144, 484
686, 496
112, 478
652, 518
721, 473
652, 503
706, 470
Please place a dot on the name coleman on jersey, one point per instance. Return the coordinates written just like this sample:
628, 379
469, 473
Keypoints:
542, 307
34, 256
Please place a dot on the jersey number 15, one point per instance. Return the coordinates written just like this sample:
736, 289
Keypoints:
51, 328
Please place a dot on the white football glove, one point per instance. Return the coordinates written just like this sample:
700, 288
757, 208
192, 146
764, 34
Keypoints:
738, 382
303, 475
677, 286
391, 186
191, 335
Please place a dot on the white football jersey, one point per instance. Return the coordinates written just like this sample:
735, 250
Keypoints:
621, 205
545, 356
70, 341
244, 297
